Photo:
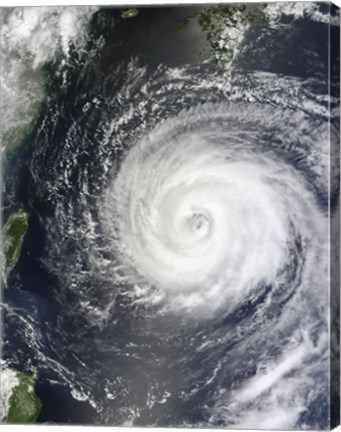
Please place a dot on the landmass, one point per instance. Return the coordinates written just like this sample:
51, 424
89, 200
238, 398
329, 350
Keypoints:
225, 26
20, 118
13, 234
19, 402
130, 13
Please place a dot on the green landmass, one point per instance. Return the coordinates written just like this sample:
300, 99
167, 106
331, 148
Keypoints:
214, 21
25, 405
13, 234
130, 13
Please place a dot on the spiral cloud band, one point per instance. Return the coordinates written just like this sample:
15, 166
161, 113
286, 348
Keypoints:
207, 209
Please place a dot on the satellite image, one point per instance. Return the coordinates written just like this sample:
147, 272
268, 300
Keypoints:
170, 183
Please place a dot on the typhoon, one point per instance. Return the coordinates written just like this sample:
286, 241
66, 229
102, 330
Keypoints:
175, 269
210, 212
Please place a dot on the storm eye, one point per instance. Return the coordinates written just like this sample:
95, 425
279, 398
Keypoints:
198, 222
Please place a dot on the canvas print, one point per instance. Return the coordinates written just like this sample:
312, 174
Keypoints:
170, 215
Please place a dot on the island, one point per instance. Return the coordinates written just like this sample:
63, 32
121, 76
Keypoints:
130, 13
13, 234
